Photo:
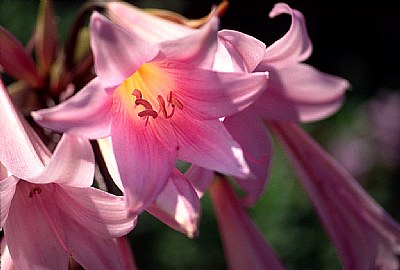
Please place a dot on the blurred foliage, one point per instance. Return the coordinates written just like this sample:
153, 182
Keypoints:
358, 46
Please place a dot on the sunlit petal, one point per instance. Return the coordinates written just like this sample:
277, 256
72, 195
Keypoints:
42, 249
21, 151
7, 191
86, 114
71, 164
208, 144
113, 61
238, 52
301, 93
149, 27
178, 205
144, 154
295, 46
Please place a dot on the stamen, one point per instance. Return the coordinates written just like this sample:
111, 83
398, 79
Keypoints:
161, 103
144, 103
174, 101
147, 113
172, 112
169, 97
137, 93
35, 190
177, 103
148, 108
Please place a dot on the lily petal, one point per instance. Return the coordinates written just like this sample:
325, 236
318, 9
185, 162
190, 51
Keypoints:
3, 172
20, 149
109, 158
15, 60
258, 155
209, 144
238, 52
41, 249
149, 27
178, 205
301, 93
144, 153
365, 236
6, 262
197, 48
295, 46
72, 164
112, 60
90, 251
103, 213
200, 178
208, 94
7, 191
126, 253
86, 114
244, 245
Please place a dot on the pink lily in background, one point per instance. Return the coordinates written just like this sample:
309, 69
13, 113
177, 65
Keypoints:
365, 236
244, 245
49, 212
296, 92
158, 102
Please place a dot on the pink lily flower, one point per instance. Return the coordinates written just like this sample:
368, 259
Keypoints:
182, 212
296, 92
158, 102
365, 236
48, 211
244, 245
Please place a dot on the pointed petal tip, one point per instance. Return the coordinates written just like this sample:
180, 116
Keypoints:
244, 167
191, 227
193, 234
96, 16
36, 116
96, 20
278, 9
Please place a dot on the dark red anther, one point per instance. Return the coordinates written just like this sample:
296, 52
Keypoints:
177, 103
169, 97
35, 190
137, 93
147, 113
161, 103
144, 103
174, 101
